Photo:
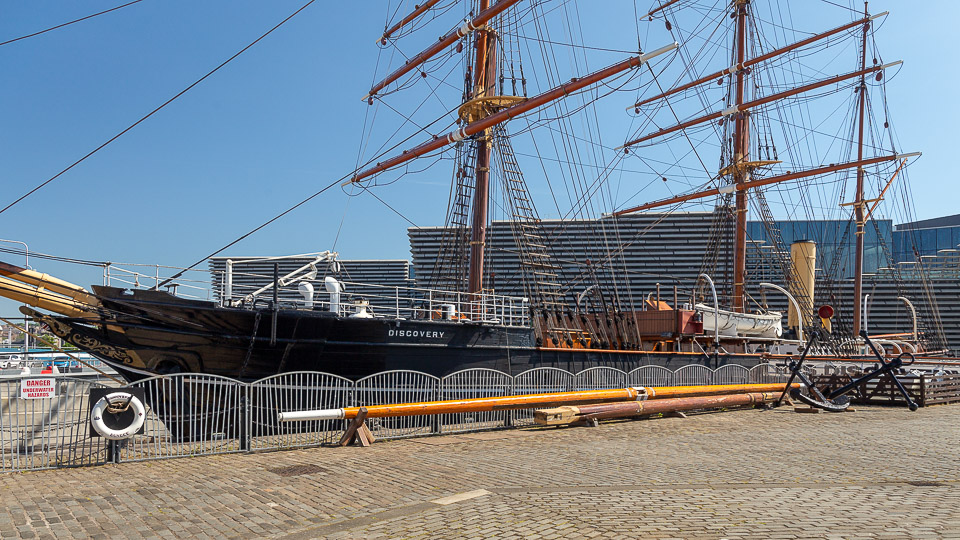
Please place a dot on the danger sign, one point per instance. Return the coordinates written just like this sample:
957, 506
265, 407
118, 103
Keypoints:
37, 388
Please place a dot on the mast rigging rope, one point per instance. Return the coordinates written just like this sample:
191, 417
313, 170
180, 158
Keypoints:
68, 23
151, 113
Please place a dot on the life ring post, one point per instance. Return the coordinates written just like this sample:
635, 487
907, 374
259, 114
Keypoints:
117, 414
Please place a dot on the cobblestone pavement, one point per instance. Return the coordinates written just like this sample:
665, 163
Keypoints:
874, 473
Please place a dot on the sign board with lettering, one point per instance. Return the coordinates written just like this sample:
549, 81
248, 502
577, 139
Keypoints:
38, 388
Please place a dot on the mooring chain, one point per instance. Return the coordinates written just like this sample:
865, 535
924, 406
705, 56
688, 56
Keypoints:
253, 339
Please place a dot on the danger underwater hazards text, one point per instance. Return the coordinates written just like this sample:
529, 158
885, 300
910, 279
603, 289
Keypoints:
37, 388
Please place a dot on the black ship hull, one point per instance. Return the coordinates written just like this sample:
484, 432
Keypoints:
150, 332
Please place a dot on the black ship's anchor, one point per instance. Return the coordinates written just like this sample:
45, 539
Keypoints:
813, 395
837, 401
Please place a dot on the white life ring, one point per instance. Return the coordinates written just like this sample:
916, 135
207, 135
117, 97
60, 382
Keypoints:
96, 416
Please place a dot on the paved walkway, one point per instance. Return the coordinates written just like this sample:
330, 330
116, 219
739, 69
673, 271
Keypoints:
875, 473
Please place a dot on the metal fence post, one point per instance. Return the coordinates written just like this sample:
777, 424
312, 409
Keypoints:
923, 390
508, 418
435, 426
244, 435
113, 452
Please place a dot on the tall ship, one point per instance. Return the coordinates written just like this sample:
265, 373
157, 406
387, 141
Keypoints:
724, 104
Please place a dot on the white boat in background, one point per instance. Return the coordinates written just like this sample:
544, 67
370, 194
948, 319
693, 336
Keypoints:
732, 324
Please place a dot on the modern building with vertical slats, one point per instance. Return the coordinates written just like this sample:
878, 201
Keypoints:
625, 257
628, 257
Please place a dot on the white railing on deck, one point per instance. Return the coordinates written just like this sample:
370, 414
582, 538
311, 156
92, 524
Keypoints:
417, 303
381, 301
139, 276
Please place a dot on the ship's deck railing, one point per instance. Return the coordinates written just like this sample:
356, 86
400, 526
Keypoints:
356, 299
153, 276
434, 304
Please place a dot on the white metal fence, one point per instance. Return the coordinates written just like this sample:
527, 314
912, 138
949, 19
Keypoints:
192, 414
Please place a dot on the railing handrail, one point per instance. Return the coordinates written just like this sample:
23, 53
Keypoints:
404, 301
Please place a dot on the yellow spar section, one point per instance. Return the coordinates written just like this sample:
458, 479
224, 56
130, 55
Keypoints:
48, 282
46, 292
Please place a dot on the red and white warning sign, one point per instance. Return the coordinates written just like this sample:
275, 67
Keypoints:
38, 388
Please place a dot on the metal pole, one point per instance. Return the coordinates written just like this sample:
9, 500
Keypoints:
866, 312
793, 301
276, 282
26, 251
913, 314
716, 310
276, 304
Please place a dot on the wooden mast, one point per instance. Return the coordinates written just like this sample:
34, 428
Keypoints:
740, 167
445, 41
484, 85
741, 155
858, 201
753, 61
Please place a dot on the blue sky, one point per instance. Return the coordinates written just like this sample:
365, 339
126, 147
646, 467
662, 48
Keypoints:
280, 122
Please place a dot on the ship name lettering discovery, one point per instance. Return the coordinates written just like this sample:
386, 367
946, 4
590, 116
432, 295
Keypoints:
414, 333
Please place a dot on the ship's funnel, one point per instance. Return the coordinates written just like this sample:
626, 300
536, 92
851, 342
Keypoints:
803, 255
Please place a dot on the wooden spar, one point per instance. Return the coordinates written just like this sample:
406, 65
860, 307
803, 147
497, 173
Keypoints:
754, 61
627, 409
661, 8
37, 297
528, 401
419, 10
683, 404
664, 392
858, 200
48, 282
884, 190
445, 41
764, 182
510, 112
484, 85
757, 102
